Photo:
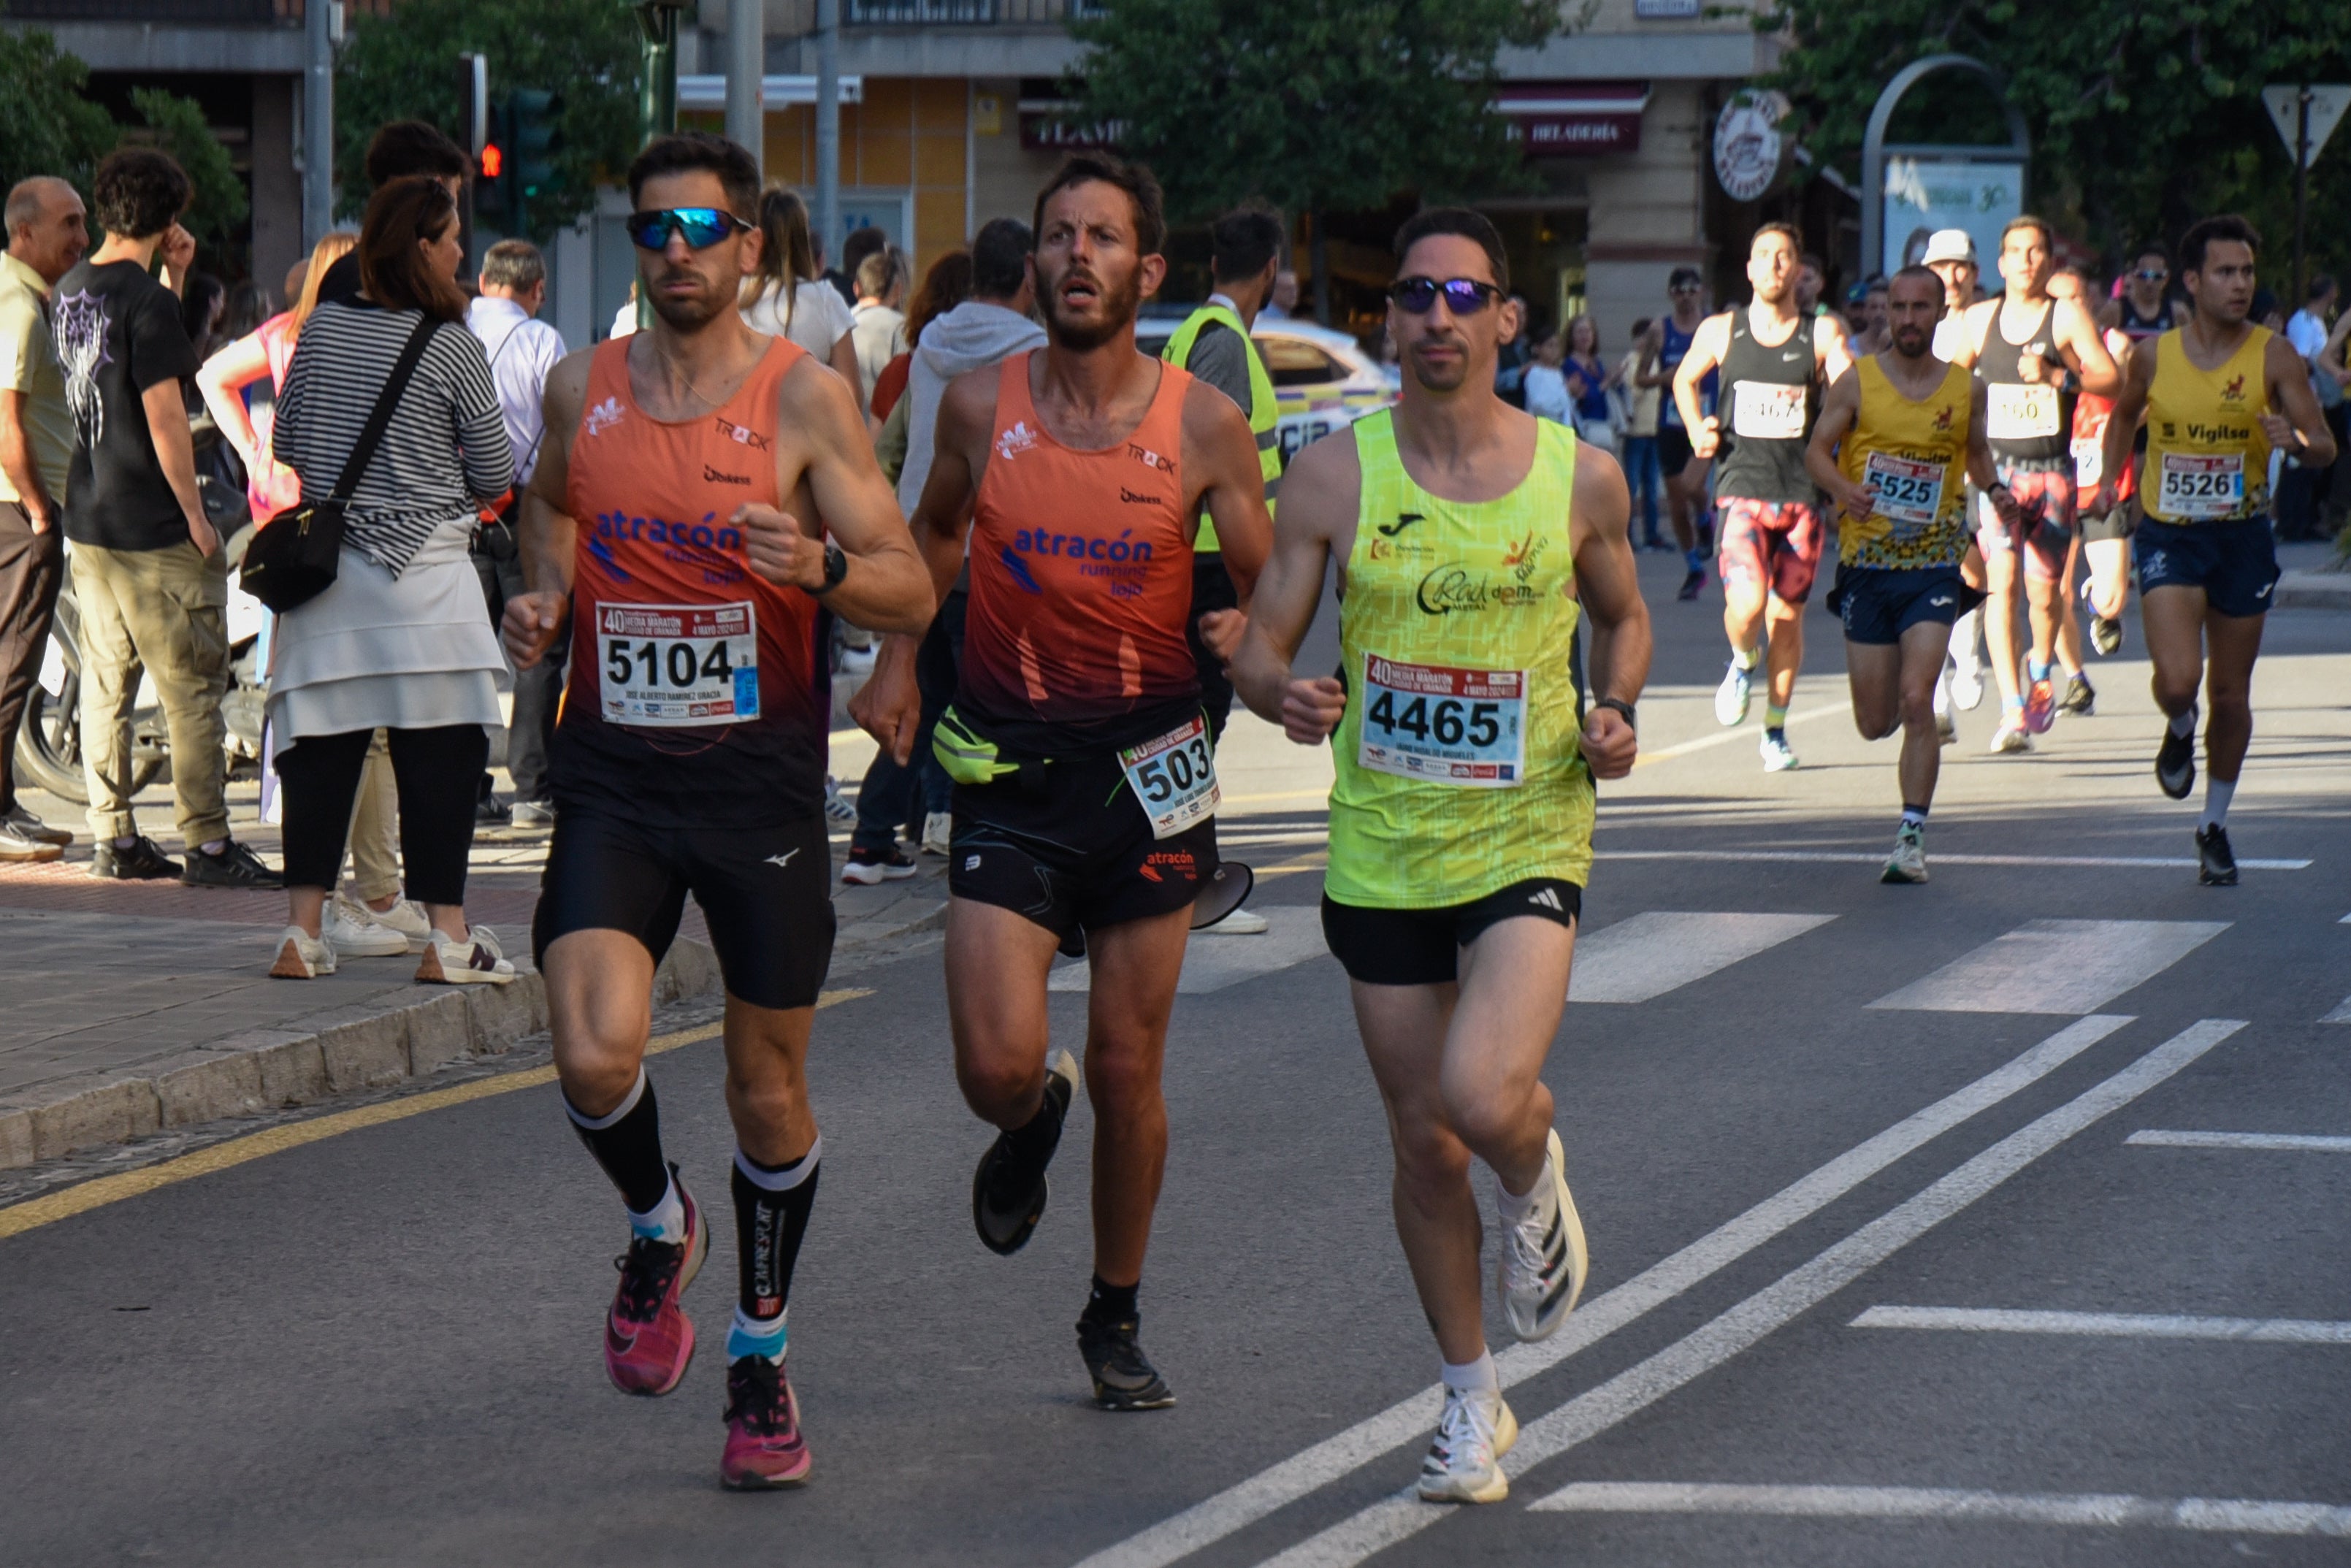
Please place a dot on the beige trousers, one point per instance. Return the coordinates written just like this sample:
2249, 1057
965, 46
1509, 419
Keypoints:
167, 610
374, 837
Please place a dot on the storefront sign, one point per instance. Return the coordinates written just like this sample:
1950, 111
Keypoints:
1923, 194
1573, 135
1574, 118
1666, 10
1751, 154
1042, 130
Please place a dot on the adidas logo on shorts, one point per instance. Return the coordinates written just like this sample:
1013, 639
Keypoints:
1548, 897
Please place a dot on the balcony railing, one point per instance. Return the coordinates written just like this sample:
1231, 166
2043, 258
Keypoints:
169, 13
965, 13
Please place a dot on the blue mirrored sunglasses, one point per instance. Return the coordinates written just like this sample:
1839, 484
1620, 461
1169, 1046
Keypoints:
1463, 295
701, 226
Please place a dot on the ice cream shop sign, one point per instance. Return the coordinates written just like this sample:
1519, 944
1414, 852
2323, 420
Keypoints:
1575, 119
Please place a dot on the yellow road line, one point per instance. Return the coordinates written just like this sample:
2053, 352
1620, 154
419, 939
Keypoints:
64, 1205
1304, 862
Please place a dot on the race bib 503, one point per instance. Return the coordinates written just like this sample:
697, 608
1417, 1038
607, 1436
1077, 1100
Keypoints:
1175, 778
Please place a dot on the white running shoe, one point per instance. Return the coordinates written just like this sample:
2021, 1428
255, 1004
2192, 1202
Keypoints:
1947, 728
938, 828
1731, 697
477, 961
301, 956
1464, 1463
1543, 1262
1908, 861
2011, 735
1778, 756
353, 928
1967, 684
1239, 923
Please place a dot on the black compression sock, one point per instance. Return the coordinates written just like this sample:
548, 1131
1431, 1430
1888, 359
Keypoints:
627, 1144
771, 1216
1113, 1303
1034, 1142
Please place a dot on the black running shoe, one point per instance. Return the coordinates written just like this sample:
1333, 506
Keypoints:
2174, 764
1007, 1198
1124, 1377
1693, 585
2107, 634
236, 866
2216, 864
142, 861
2081, 698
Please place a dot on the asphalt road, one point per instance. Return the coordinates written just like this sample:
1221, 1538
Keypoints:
382, 1347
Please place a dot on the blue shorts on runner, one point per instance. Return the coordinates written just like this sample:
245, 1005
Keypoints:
2235, 563
1878, 604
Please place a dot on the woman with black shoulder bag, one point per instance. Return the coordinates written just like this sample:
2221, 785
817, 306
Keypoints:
390, 417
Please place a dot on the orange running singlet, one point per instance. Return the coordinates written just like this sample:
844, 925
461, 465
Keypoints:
696, 690
1081, 581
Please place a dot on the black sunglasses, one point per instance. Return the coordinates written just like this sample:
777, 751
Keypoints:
701, 226
1463, 295
2151, 274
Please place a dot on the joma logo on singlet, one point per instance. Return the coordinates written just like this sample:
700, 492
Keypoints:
741, 435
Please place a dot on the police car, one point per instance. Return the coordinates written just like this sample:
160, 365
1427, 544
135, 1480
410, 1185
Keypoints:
1322, 380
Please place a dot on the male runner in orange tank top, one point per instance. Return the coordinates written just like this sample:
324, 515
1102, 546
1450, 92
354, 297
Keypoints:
1085, 780
674, 518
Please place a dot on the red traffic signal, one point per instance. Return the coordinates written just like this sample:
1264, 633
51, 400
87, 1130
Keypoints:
493, 161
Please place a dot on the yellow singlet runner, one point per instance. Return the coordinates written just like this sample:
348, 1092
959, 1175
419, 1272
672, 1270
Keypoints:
2208, 458
1916, 456
1457, 767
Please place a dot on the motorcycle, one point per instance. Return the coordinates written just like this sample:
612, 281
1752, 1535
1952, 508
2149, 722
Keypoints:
49, 740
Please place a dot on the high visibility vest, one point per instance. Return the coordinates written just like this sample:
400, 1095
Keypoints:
1262, 411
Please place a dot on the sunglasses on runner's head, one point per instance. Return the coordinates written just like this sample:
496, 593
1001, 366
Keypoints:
702, 227
1463, 295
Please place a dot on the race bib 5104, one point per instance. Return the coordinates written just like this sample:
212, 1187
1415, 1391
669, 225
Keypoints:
1465, 728
677, 665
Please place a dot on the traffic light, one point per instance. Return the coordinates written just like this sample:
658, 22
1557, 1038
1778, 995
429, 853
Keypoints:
532, 143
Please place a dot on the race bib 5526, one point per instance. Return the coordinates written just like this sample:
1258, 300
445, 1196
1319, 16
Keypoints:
2197, 486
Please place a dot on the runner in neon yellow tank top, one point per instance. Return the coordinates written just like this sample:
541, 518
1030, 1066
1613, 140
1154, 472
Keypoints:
2219, 395
1470, 538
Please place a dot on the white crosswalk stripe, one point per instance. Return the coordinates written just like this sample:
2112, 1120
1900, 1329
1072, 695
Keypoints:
1647, 955
2064, 967
1211, 963
2232, 1516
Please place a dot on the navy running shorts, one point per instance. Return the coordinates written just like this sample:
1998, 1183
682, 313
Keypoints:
1878, 604
1422, 947
2235, 563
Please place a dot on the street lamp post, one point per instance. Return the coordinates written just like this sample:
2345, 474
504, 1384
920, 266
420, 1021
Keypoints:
828, 127
656, 90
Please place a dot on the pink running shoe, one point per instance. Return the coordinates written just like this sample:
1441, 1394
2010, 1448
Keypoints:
2039, 702
648, 1338
764, 1445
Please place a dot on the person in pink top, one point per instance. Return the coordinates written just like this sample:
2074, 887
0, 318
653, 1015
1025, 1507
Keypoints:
270, 487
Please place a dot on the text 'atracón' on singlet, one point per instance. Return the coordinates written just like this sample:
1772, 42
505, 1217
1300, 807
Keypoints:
1457, 766
698, 695
2208, 458
1914, 455
1081, 583
1769, 398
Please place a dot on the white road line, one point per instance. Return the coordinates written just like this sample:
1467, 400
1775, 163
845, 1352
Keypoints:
1212, 962
1859, 857
2055, 966
2107, 1326
2227, 1515
1747, 732
1409, 1420
1403, 1515
1660, 950
2342, 1013
2303, 1143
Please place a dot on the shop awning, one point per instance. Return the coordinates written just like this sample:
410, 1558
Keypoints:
1575, 119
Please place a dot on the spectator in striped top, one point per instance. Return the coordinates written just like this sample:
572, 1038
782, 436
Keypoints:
399, 642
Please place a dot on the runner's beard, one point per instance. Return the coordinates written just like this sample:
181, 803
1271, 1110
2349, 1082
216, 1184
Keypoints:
1911, 342
1119, 303
687, 315
1439, 384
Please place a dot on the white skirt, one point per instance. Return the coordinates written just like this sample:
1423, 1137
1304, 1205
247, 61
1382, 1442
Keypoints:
416, 651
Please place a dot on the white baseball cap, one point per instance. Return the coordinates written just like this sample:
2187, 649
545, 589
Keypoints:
1948, 244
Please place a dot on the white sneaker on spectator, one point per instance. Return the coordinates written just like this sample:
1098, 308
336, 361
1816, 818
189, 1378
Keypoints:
301, 956
477, 961
1239, 923
33, 828
16, 844
937, 826
403, 917
353, 928
534, 814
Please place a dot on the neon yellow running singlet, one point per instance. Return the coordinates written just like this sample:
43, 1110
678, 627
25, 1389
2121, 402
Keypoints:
1457, 767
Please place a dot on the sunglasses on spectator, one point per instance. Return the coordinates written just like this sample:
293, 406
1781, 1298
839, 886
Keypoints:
1463, 295
701, 227
2151, 274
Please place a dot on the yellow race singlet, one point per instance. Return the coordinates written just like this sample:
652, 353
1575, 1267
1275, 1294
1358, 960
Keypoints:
2208, 458
1457, 767
1915, 454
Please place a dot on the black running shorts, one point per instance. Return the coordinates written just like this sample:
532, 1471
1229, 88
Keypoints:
1672, 447
765, 895
1422, 947
1070, 848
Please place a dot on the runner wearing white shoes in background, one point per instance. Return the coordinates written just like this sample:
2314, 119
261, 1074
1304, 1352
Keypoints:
1774, 358
2033, 352
1470, 537
1951, 255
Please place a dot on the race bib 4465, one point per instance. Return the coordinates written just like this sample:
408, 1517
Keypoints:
1465, 728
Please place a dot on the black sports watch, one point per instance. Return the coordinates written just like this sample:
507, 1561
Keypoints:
836, 567
1621, 705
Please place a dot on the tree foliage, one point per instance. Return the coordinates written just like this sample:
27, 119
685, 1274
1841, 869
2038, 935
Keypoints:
403, 65
176, 125
1314, 105
2144, 114
47, 126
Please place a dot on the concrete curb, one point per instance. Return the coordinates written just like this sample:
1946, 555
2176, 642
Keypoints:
2313, 590
334, 1052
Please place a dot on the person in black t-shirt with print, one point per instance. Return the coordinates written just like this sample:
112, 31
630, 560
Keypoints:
148, 572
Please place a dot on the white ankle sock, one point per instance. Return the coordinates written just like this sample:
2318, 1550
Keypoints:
2185, 724
665, 1221
1475, 1376
2217, 793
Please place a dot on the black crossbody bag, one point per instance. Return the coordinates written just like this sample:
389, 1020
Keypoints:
295, 556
